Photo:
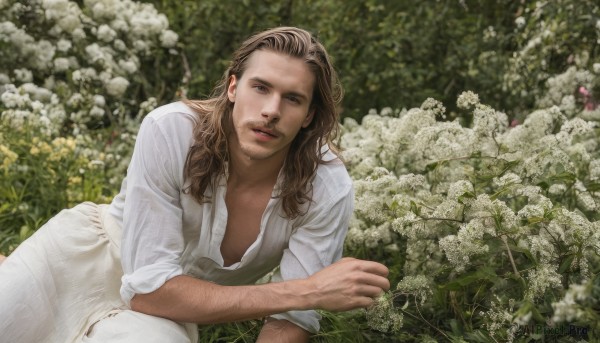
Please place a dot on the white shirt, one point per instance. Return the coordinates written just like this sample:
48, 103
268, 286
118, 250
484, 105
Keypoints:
167, 233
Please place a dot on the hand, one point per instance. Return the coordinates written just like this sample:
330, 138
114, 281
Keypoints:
348, 284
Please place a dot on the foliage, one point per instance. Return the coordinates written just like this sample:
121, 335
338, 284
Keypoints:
398, 53
550, 37
497, 226
489, 225
74, 83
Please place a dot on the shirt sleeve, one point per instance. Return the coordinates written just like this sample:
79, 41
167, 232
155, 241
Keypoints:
152, 217
317, 242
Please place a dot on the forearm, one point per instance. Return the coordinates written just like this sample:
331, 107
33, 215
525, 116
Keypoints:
187, 299
344, 285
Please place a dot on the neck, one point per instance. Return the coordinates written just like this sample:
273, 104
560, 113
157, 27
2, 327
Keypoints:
250, 173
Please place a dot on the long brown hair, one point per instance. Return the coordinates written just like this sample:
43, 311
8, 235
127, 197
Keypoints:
207, 156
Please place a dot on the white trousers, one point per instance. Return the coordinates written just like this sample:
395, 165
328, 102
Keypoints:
62, 285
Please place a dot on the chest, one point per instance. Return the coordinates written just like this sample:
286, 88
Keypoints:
245, 211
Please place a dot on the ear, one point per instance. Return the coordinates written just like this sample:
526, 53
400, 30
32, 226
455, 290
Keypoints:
231, 88
309, 117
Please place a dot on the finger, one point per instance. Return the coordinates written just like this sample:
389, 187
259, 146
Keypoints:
359, 302
370, 291
373, 280
373, 267
366, 302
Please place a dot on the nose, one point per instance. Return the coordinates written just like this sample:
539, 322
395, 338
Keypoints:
271, 109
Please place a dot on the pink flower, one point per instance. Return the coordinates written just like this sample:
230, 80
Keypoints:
588, 102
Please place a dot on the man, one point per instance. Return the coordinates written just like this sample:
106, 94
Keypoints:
218, 193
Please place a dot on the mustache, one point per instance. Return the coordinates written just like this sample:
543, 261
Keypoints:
261, 124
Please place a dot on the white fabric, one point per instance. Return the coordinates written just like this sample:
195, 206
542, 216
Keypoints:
64, 280
129, 326
167, 233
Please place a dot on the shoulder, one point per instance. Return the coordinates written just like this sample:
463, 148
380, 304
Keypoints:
332, 197
332, 181
174, 121
172, 114
169, 129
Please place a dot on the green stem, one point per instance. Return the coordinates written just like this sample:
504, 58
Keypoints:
510, 256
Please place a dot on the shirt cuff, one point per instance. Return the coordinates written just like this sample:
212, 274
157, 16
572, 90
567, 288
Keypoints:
308, 320
147, 279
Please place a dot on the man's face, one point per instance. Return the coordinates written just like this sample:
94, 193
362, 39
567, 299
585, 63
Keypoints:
271, 104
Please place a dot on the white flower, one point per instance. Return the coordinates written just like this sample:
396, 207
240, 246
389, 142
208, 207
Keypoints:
436, 107
386, 111
129, 66
467, 100
442, 141
147, 22
117, 86
507, 180
119, 45
417, 285
105, 76
409, 225
105, 33
540, 279
70, 23
594, 169
61, 64
557, 189
168, 39
448, 209
487, 121
78, 34
54, 8
23, 75
586, 201
531, 211
459, 188
75, 100
12, 100
383, 317
63, 45
119, 25
104, 9
520, 21
96, 112
77, 76
141, 46
44, 54
94, 52
577, 126
99, 100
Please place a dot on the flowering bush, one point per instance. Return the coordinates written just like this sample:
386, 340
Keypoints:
74, 83
550, 35
496, 226
489, 226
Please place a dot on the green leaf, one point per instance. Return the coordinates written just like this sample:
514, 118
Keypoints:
414, 208
484, 274
431, 166
593, 187
563, 177
535, 220
566, 263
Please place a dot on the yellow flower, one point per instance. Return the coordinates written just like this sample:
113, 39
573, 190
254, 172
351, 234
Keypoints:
9, 156
74, 180
45, 148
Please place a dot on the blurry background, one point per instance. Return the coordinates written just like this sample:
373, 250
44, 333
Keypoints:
397, 53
